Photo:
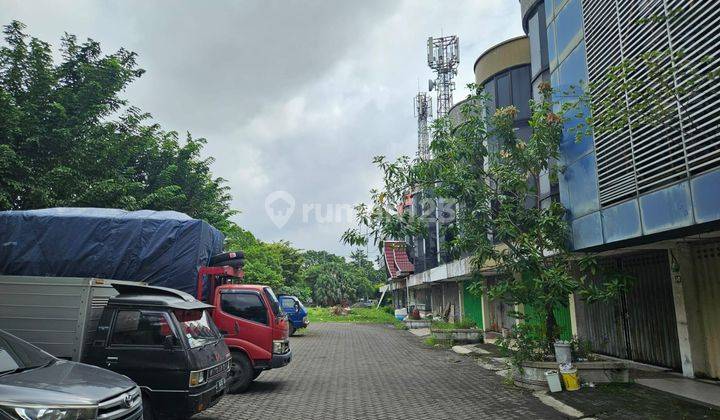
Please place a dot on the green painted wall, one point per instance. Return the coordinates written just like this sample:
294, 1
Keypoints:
472, 305
562, 316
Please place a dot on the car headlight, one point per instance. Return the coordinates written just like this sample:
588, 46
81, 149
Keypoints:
197, 377
280, 346
50, 413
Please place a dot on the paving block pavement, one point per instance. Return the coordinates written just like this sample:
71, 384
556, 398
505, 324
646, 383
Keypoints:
361, 371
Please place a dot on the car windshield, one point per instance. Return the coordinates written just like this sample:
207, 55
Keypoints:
16, 354
274, 304
196, 326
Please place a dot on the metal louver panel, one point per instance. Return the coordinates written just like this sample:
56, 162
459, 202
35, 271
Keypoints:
697, 36
683, 140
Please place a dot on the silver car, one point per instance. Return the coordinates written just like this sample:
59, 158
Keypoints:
35, 385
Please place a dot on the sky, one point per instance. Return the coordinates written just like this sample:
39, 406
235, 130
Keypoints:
294, 97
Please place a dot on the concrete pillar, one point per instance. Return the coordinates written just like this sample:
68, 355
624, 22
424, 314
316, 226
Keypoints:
485, 303
573, 315
461, 309
682, 275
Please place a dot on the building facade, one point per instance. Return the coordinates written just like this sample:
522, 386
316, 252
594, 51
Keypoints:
643, 195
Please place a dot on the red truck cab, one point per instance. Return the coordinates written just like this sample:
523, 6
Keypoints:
251, 320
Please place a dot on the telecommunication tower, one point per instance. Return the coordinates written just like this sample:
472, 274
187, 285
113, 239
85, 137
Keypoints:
423, 112
443, 58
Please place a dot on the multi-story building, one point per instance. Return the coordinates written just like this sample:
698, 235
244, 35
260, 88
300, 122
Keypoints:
644, 196
439, 283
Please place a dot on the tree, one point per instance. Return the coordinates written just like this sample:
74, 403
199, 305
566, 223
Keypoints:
67, 137
494, 177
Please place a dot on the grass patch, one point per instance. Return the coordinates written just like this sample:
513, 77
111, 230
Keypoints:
434, 342
461, 325
359, 315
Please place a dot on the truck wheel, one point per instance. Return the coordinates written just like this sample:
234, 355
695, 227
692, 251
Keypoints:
291, 330
148, 413
241, 373
256, 373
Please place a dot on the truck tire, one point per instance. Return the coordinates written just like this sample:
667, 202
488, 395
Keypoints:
241, 373
215, 259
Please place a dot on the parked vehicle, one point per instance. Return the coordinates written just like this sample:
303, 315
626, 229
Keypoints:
34, 384
296, 312
253, 324
162, 339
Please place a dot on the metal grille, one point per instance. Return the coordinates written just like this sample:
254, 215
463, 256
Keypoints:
706, 260
635, 157
639, 324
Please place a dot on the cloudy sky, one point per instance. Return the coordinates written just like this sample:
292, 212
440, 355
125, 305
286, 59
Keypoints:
293, 96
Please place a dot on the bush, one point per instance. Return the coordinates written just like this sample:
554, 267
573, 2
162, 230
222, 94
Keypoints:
465, 324
525, 342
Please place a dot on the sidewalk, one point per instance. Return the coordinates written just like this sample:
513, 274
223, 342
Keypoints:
644, 399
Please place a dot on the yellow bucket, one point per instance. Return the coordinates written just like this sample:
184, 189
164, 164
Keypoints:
571, 379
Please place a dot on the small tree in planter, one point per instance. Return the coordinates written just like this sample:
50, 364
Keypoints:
494, 176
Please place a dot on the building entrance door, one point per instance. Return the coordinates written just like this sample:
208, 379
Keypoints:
640, 324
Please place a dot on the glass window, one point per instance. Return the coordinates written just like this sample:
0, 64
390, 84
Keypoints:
568, 24
244, 305
196, 326
549, 6
552, 51
521, 91
490, 90
274, 304
503, 93
573, 72
538, 41
287, 303
136, 328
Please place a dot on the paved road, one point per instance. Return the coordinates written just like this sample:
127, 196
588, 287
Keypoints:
353, 371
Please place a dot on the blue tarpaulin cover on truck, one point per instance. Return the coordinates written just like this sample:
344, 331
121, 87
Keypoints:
162, 248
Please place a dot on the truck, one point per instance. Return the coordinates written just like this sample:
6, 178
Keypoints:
160, 248
160, 338
250, 318
296, 312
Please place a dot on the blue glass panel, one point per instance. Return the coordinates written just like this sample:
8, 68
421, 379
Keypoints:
573, 72
549, 9
568, 24
552, 51
581, 179
622, 221
587, 231
666, 209
706, 197
572, 148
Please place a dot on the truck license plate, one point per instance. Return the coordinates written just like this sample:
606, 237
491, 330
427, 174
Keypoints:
221, 385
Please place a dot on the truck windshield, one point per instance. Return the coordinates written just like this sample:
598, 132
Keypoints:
17, 355
274, 304
196, 326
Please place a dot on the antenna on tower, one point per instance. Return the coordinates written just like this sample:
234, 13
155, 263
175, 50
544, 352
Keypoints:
444, 58
423, 112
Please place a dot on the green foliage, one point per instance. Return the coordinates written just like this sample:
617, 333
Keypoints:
360, 315
67, 138
494, 176
526, 342
465, 324
317, 276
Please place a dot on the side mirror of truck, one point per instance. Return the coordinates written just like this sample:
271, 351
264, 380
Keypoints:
169, 342
297, 307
